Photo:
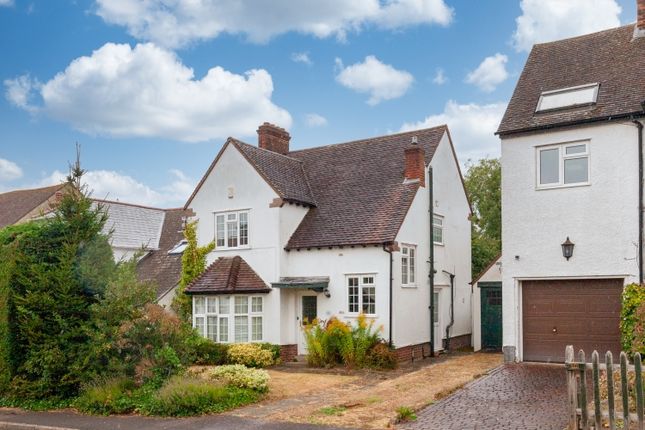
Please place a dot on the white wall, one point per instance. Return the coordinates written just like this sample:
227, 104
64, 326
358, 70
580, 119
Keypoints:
493, 274
411, 313
601, 219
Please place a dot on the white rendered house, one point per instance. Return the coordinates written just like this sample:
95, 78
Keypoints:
337, 230
572, 205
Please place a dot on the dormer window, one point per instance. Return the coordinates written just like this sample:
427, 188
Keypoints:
568, 97
232, 230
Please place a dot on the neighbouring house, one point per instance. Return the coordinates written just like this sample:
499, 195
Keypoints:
337, 230
572, 218
487, 307
20, 206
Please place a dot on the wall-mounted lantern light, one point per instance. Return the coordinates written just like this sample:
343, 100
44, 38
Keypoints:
567, 248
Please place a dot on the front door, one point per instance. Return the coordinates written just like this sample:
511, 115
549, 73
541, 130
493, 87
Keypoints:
307, 312
491, 315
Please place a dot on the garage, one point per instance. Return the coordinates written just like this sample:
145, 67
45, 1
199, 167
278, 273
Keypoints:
584, 313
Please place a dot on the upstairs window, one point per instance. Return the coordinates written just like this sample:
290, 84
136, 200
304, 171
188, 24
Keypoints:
232, 229
408, 265
361, 294
437, 229
562, 165
567, 97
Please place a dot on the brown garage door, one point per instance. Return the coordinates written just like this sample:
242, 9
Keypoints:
582, 313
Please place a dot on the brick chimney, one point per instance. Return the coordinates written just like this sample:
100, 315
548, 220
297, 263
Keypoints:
273, 138
415, 167
639, 31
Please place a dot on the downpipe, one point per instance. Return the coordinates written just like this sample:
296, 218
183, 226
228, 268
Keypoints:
452, 308
432, 271
639, 126
389, 251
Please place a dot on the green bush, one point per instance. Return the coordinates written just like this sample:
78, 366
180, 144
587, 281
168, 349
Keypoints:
250, 355
111, 396
631, 320
381, 356
205, 352
240, 376
275, 350
185, 396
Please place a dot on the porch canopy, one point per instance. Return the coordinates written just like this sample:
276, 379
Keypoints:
318, 284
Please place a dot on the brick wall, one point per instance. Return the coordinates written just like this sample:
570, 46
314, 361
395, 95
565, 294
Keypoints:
421, 350
288, 352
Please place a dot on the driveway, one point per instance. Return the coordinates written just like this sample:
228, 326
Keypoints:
514, 397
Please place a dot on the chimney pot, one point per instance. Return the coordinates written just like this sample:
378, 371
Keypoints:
415, 167
273, 138
639, 30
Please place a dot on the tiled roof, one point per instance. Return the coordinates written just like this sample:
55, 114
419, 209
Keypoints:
133, 226
612, 58
359, 189
285, 174
228, 275
14, 205
158, 265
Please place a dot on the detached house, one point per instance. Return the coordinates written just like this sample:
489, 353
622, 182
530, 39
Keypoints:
572, 193
337, 230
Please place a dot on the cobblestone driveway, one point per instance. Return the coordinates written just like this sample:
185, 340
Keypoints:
514, 397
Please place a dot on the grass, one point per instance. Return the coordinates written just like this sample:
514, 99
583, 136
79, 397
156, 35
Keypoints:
35, 404
332, 410
405, 414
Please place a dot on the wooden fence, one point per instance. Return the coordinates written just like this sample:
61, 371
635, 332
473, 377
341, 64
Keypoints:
604, 412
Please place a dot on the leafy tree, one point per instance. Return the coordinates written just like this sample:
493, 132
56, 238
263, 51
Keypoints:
483, 183
193, 263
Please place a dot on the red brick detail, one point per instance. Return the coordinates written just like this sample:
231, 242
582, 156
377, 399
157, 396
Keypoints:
640, 19
288, 353
460, 342
273, 138
415, 167
412, 352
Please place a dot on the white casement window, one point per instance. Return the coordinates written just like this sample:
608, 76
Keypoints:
408, 265
437, 229
232, 229
563, 165
222, 318
361, 294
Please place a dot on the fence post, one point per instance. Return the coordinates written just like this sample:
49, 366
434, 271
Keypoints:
609, 361
638, 372
596, 390
583, 390
572, 388
623, 388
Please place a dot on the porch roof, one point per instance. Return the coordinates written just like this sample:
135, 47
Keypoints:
315, 283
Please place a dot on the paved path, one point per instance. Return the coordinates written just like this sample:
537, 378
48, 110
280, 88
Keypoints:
12, 419
513, 397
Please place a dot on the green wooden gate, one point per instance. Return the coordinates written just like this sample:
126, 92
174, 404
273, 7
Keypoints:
491, 314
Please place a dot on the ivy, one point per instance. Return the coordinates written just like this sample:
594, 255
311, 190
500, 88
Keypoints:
632, 319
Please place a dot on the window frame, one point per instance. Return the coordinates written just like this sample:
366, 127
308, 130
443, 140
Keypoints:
229, 317
435, 227
546, 94
562, 158
225, 215
361, 286
410, 257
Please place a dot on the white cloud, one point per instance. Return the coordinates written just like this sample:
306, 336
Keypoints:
9, 170
146, 91
6, 2
381, 81
19, 91
176, 23
315, 120
301, 57
440, 77
490, 73
548, 20
472, 128
111, 185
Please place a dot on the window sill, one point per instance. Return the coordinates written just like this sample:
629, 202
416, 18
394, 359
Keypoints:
410, 286
438, 243
354, 316
560, 186
221, 249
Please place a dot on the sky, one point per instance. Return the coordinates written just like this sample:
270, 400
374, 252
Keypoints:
152, 89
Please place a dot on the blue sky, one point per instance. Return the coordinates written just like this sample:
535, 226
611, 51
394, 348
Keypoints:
151, 90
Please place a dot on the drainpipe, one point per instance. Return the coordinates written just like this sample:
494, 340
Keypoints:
389, 251
431, 273
452, 308
639, 126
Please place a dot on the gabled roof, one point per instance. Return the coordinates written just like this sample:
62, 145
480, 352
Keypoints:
14, 205
611, 58
133, 226
158, 265
228, 275
361, 196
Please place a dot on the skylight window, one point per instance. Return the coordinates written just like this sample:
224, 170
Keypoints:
567, 97
179, 248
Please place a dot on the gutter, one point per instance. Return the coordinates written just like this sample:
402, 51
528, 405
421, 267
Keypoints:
452, 308
639, 126
431, 272
389, 251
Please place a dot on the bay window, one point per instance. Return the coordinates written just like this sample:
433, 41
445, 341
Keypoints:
232, 229
222, 318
